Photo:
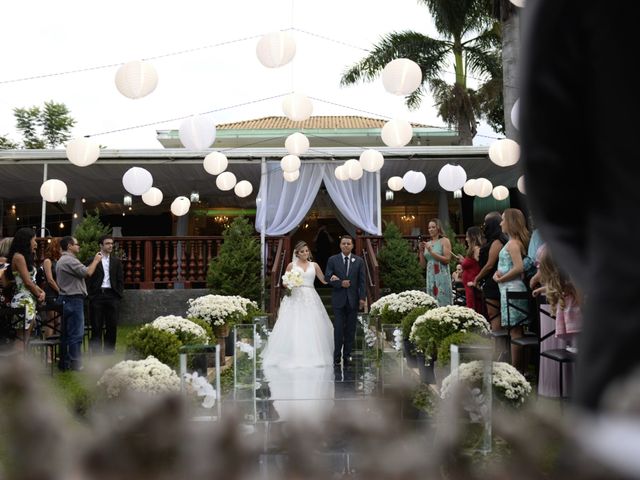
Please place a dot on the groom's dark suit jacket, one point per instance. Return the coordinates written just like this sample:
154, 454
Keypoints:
343, 296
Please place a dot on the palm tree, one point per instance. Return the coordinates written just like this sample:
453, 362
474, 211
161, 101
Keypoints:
470, 43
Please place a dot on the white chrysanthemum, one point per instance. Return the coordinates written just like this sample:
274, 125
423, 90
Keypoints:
174, 324
217, 309
403, 302
144, 376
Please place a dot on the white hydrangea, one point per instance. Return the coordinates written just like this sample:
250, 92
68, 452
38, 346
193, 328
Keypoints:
174, 324
217, 309
403, 302
144, 376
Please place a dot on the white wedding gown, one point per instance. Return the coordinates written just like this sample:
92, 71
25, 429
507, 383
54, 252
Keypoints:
303, 333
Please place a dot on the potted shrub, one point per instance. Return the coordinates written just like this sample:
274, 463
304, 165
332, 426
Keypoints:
399, 266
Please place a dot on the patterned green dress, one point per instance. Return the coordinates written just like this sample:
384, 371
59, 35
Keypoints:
438, 276
23, 298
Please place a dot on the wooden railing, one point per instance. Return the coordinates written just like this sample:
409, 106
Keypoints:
372, 271
281, 259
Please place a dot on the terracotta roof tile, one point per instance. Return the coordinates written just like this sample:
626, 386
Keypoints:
317, 122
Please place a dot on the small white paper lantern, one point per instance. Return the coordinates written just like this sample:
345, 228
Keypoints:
483, 187
341, 173
452, 177
521, 187
197, 133
180, 206
152, 197
226, 181
457, 194
401, 76
290, 163
136, 79
137, 180
276, 49
297, 144
395, 183
414, 182
291, 176
215, 163
354, 169
515, 114
500, 192
371, 160
396, 133
53, 190
243, 188
505, 152
82, 151
470, 187
518, 3
297, 107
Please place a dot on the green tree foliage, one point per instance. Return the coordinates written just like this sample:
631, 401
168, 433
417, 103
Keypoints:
7, 144
399, 266
88, 232
236, 270
45, 127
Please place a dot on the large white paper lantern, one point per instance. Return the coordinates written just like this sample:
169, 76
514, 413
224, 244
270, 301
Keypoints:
137, 180
371, 160
197, 133
180, 206
226, 181
152, 197
82, 151
521, 187
53, 190
395, 183
276, 49
518, 3
504, 152
470, 187
136, 79
243, 188
290, 163
452, 177
396, 133
515, 114
297, 144
291, 176
341, 173
483, 187
500, 192
354, 169
297, 107
401, 76
215, 163
414, 182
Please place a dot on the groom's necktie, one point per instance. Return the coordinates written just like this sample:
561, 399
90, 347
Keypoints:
346, 265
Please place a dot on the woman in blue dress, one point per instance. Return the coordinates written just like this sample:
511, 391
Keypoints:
435, 255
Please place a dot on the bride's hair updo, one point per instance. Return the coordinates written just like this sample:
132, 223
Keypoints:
299, 246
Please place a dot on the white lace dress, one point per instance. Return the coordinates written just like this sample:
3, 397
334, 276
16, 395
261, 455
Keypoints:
303, 333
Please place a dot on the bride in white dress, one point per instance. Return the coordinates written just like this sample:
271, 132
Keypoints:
303, 333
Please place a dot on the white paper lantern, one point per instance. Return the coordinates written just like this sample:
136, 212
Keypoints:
521, 187
452, 177
276, 49
291, 176
470, 187
518, 3
180, 206
371, 160
395, 183
354, 169
457, 194
197, 133
341, 173
53, 190
290, 163
136, 79
297, 144
396, 133
243, 188
401, 76
515, 115
226, 181
505, 152
215, 163
82, 151
137, 180
297, 107
483, 187
152, 197
414, 182
500, 192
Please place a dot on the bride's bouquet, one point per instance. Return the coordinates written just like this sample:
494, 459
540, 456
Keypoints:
290, 280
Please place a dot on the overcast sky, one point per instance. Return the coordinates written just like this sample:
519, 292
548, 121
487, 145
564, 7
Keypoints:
44, 37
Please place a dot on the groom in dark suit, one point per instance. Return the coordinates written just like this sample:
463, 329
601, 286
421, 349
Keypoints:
345, 273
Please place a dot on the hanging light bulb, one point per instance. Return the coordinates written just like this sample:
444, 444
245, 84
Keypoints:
61, 225
127, 201
194, 197
388, 195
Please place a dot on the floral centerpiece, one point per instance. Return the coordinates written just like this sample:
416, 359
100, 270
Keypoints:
187, 331
509, 385
200, 388
221, 310
290, 280
431, 328
142, 376
393, 307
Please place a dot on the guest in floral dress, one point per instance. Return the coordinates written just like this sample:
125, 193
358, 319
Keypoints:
435, 255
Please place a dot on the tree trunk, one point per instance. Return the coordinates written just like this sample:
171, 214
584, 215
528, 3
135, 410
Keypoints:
510, 53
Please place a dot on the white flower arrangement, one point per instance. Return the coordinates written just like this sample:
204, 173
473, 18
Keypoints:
369, 335
397, 339
397, 305
220, 310
292, 279
246, 348
509, 385
200, 387
177, 325
143, 376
